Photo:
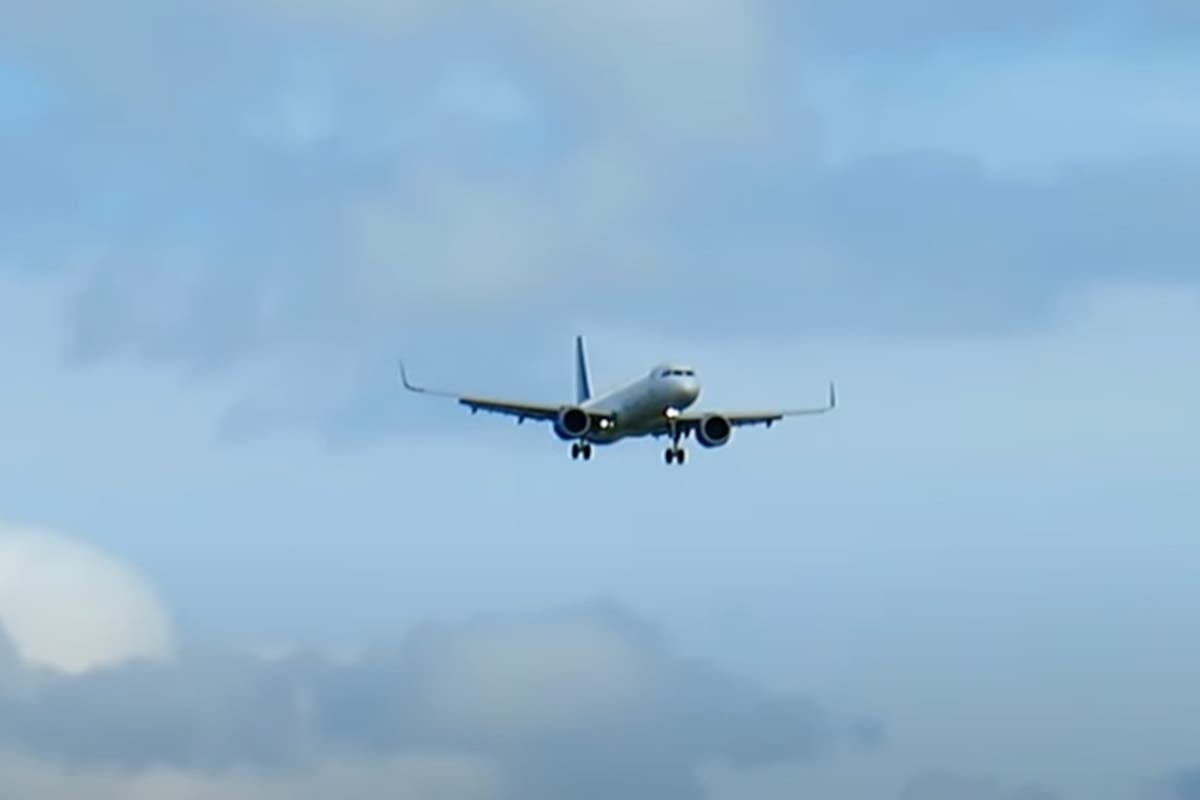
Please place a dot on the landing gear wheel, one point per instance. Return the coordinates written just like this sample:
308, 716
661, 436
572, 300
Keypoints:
669, 456
680, 455
575, 450
586, 449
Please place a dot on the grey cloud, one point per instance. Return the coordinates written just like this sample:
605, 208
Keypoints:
875, 243
869, 734
1182, 785
953, 786
447, 777
11, 671
1187, 785
297, 205
930, 244
918, 244
589, 700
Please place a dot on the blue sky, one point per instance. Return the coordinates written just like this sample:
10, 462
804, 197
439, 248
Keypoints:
221, 224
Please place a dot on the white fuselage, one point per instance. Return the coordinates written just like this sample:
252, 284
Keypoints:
641, 407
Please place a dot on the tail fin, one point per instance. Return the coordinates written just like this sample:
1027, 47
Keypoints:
583, 381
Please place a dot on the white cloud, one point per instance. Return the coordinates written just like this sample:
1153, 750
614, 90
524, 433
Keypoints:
71, 608
532, 679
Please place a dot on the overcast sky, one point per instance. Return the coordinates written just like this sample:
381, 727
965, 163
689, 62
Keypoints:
237, 561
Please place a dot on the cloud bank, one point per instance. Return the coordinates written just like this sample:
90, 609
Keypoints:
589, 700
354, 174
410, 778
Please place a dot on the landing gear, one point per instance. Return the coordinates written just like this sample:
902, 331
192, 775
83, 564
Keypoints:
581, 449
675, 454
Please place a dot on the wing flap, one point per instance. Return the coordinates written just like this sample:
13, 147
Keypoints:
520, 409
740, 419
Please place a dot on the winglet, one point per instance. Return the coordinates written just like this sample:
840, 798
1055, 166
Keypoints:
420, 389
825, 409
404, 378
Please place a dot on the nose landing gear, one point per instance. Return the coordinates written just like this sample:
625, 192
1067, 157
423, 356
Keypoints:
674, 454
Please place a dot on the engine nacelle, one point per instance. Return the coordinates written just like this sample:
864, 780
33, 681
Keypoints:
572, 423
714, 430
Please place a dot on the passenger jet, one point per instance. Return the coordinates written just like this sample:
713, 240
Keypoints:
654, 405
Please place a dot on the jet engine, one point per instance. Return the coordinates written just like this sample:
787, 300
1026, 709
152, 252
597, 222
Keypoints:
714, 430
572, 423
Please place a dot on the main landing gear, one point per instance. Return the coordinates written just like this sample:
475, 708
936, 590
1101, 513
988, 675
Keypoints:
581, 449
674, 454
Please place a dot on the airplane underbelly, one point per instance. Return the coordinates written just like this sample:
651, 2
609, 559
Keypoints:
641, 419
638, 413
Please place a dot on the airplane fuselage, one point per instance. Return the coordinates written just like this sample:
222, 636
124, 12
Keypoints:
638, 408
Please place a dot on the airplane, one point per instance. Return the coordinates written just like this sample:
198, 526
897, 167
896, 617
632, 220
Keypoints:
653, 405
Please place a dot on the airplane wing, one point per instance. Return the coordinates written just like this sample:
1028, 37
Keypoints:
520, 409
738, 419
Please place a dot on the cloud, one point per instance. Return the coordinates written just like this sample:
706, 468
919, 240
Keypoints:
540, 679
1182, 785
923, 243
349, 176
869, 734
952, 786
952, 249
589, 699
70, 608
12, 669
550, 684
404, 778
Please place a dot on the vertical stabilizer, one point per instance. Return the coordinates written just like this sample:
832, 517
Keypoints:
583, 380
